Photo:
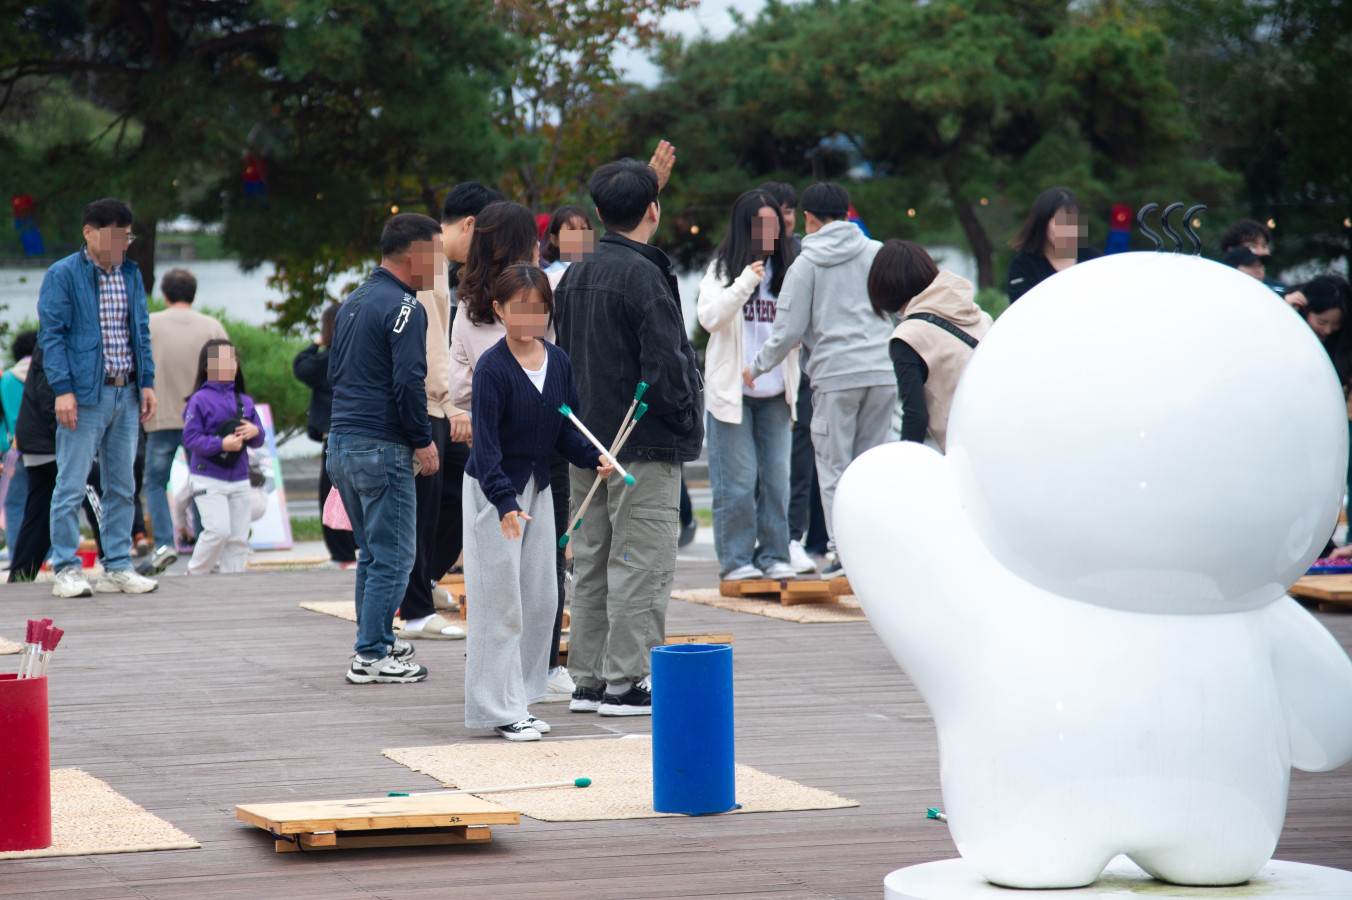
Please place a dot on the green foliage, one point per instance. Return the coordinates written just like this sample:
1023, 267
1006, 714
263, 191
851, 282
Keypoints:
307, 528
993, 300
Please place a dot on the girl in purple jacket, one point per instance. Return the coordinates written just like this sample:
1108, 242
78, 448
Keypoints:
218, 425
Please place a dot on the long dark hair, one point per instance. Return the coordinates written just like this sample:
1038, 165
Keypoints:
328, 323
1323, 293
549, 251
202, 366
1032, 237
739, 250
504, 233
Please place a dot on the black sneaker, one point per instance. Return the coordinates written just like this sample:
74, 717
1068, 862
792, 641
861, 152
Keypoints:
835, 570
402, 650
637, 701
585, 700
519, 731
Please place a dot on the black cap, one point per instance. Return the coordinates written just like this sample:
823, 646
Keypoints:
1240, 256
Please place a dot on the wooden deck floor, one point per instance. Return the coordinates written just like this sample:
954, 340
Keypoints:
220, 691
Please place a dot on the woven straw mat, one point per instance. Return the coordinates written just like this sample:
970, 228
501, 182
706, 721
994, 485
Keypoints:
846, 609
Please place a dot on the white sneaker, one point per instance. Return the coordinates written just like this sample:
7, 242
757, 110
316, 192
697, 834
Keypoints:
560, 683
539, 725
781, 571
386, 670
744, 573
71, 582
125, 582
518, 731
800, 560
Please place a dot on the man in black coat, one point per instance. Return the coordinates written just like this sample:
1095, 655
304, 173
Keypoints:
618, 317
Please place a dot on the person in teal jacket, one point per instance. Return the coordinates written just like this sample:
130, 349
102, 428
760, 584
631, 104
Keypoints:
95, 339
11, 393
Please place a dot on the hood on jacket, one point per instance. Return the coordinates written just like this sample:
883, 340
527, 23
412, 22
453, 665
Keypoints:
950, 297
20, 368
835, 243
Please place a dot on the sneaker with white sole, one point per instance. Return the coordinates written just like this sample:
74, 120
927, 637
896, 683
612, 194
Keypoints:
586, 699
443, 601
637, 701
539, 725
402, 650
560, 683
800, 560
163, 557
518, 731
781, 571
125, 582
71, 583
386, 670
743, 573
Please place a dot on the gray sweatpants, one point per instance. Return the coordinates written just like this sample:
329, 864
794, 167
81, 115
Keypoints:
512, 597
844, 425
624, 558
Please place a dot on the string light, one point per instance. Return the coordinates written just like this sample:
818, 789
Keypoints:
694, 229
1272, 223
319, 196
911, 213
985, 201
1196, 223
394, 209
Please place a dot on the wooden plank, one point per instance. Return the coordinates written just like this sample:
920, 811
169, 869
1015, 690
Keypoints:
840, 586
1329, 588
479, 834
367, 813
794, 592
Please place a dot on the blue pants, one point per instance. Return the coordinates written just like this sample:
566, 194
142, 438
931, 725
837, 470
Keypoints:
108, 428
160, 449
749, 473
374, 478
15, 499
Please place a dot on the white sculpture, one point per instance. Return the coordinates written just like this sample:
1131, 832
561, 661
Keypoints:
1144, 453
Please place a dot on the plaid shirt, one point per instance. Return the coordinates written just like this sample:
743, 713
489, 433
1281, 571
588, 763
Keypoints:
114, 320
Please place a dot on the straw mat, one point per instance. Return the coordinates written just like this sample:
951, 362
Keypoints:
7, 647
89, 817
846, 609
621, 770
343, 609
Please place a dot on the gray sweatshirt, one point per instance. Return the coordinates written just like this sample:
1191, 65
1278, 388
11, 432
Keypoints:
824, 304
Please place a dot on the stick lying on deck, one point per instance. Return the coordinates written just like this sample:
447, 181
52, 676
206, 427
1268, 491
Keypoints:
576, 782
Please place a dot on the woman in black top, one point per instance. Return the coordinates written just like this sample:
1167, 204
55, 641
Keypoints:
1052, 239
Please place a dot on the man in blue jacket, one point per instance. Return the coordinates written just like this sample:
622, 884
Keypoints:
95, 339
380, 437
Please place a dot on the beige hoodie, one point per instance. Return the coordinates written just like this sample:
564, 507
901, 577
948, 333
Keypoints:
437, 302
719, 310
949, 297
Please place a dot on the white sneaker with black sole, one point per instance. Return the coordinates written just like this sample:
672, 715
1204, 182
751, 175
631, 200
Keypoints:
402, 650
518, 731
637, 701
71, 583
539, 725
125, 582
386, 670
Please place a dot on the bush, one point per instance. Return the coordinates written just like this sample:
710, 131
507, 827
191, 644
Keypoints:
265, 354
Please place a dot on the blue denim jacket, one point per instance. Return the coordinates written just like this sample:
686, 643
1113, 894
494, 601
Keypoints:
69, 333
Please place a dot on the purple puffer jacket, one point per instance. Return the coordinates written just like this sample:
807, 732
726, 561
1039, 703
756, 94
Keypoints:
213, 404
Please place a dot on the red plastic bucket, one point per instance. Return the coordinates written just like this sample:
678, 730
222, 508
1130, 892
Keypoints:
25, 765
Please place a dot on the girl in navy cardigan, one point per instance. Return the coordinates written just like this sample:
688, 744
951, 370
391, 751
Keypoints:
218, 459
519, 385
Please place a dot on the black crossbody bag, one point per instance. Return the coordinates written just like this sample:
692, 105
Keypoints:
226, 459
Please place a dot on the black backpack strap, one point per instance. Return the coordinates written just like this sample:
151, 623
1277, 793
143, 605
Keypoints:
946, 326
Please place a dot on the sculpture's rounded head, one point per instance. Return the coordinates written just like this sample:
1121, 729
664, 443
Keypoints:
1152, 432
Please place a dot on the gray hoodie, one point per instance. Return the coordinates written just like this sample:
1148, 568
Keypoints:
824, 304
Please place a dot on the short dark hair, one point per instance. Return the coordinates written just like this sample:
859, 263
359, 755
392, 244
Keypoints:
520, 277
622, 191
467, 199
401, 231
1244, 230
901, 270
1032, 237
108, 211
780, 192
827, 201
178, 286
549, 253
24, 344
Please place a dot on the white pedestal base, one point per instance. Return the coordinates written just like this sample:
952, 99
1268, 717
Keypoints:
955, 879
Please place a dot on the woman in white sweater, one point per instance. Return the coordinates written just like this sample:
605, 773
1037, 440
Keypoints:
749, 427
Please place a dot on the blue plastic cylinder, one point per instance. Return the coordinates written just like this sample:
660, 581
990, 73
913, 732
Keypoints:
693, 756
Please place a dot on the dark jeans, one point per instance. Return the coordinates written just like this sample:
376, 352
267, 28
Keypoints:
559, 488
342, 545
34, 540
807, 522
418, 595
450, 527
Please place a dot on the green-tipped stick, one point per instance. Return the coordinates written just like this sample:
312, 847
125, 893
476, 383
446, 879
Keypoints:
625, 430
933, 813
576, 782
628, 479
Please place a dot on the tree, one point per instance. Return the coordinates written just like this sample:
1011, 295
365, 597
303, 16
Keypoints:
558, 112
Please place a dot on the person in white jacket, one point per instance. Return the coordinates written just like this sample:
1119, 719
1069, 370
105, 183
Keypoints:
749, 424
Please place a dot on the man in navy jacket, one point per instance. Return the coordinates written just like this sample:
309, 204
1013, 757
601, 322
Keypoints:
95, 339
380, 437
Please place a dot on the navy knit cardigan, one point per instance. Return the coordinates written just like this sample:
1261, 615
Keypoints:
516, 426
